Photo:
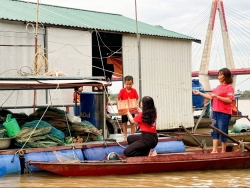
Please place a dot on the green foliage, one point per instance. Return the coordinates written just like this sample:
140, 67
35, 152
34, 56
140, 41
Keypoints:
244, 94
113, 97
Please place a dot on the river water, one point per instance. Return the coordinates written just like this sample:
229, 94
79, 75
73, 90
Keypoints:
215, 178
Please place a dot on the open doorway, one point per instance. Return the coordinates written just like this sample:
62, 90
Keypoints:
107, 55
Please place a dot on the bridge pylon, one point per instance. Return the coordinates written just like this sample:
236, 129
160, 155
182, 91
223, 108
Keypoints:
217, 5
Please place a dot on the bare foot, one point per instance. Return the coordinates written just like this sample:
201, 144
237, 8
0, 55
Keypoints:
214, 152
154, 153
223, 152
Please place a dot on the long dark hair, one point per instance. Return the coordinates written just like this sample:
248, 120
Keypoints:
227, 74
148, 110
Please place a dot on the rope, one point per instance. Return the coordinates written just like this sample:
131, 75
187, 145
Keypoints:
7, 98
243, 81
37, 122
109, 101
20, 150
87, 138
120, 145
100, 54
38, 65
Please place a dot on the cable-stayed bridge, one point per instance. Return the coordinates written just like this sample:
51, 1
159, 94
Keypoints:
225, 37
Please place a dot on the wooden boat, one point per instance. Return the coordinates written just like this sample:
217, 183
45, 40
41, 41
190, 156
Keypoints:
205, 120
240, 132
189, 140
168, 162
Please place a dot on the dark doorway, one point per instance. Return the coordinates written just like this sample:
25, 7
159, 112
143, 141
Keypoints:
109, 43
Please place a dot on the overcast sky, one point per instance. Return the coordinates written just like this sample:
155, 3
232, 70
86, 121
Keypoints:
171, 14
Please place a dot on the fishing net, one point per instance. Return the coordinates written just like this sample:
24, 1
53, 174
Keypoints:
53, 116
42, 144
26, 131
54, 132
77, 138
86, 127
31, 140
43, 136
2, 132
66, 158
21, 118
86, 131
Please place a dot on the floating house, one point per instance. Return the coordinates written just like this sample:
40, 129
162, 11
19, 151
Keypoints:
81, 42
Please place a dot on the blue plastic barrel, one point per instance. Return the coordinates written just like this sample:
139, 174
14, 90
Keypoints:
99, 153
50, 156
198, 101
92, 108
170, 146
8, 167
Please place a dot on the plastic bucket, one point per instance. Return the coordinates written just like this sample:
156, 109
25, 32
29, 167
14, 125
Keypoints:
92, 108
11, 126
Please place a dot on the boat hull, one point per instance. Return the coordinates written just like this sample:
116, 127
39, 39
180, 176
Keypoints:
186, 161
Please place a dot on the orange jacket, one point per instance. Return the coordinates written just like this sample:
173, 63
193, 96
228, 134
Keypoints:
76, 97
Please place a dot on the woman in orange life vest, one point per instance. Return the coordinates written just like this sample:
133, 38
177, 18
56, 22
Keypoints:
76, 99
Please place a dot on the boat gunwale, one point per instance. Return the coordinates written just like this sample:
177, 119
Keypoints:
193, 156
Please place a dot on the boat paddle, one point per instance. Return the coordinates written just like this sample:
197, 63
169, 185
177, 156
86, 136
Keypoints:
211, 125
201, 145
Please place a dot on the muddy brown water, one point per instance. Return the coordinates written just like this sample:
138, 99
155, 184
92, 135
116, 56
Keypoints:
217, 178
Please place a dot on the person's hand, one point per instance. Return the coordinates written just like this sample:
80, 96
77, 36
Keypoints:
129, 115
139, 110
107, 115
196, 92
213, 95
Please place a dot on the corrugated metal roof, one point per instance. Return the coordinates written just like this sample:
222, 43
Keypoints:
70, 17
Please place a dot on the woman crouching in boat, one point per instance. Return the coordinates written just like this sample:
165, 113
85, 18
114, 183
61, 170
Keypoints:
141, 144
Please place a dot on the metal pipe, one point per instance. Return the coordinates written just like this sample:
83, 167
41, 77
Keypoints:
104, 115
38, 106
139, 52
45, 41
35, 65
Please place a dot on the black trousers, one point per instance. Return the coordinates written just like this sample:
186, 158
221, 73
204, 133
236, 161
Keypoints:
140, 144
